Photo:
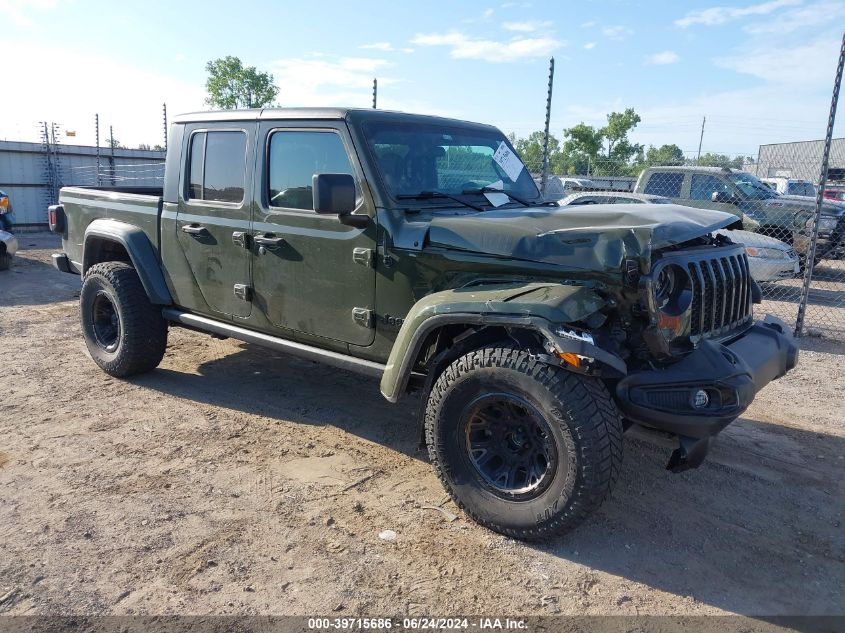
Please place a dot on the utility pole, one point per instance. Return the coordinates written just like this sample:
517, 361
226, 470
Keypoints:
700, 139
375, 91
545, 177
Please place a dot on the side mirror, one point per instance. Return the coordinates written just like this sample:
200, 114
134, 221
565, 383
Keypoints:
333, 193
722, 196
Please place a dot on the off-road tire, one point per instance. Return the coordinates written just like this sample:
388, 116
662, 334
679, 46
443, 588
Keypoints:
5, 260
141, 337
585, 427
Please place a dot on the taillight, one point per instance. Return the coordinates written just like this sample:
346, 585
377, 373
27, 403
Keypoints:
56, 218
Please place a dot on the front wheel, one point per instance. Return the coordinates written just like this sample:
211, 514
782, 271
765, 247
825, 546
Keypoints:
526, 449
125, 333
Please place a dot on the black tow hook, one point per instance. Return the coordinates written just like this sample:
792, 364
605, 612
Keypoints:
690, 453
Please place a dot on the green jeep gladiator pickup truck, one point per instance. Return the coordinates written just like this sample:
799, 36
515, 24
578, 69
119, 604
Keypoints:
418, 250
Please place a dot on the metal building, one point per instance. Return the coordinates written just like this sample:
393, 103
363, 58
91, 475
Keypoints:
801, 159
32, 173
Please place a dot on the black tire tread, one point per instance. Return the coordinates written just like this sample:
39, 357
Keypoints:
144, 330
596, 429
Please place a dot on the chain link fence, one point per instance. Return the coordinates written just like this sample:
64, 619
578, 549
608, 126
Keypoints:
789, 209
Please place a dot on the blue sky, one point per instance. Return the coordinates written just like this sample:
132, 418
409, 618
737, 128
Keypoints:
761, 71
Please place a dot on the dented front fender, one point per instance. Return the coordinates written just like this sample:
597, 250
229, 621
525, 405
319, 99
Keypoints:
530, 305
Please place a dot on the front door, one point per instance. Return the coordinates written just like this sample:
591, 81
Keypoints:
312, 274
701, 190
213, 219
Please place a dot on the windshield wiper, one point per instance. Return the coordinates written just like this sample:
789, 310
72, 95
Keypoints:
428, 195
482, 190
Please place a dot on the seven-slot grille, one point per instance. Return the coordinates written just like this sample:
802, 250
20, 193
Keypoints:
721, 291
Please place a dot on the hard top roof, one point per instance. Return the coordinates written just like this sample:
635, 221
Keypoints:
312, 114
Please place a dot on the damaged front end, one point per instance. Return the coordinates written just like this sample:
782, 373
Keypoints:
710, 356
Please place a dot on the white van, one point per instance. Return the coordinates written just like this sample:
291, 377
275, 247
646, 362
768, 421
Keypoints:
791, 186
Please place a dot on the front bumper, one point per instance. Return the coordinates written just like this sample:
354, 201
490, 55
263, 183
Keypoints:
730, 374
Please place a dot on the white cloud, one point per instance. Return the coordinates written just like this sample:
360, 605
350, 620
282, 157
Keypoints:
526, 27
385, 47
465, 47
720, 15
813, 15
590, 45
379, 46
616, 32
19, 11
345, 82
810, 64
587, 25
130, 99
664, 58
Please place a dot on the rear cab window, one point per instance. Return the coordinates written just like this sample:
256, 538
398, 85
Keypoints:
217, 166
665, 183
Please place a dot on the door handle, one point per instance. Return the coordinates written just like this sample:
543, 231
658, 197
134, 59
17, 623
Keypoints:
268, 241
194, 229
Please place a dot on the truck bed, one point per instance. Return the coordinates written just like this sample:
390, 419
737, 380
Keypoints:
139, 206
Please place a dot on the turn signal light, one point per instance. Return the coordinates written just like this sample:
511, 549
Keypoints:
570, 359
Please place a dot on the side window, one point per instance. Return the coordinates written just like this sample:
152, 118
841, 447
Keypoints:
295, 157
217, 166
702, 186
663, 183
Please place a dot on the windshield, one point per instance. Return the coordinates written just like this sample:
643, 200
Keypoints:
413, 158
801, 189
751, 186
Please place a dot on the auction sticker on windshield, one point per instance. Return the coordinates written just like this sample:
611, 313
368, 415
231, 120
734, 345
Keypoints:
508, 161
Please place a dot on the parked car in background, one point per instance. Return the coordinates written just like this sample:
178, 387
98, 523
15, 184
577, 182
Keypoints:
558, 187
8, 248
788, 218
611, 197
769, 259
836, 193
6, 217
791, 186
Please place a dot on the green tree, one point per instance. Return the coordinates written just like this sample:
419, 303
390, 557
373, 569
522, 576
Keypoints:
113, 143
721, 160
664, 155
230, 85
531, 151
615, 133
603, 151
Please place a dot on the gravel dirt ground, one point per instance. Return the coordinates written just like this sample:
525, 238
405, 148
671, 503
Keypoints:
236, 480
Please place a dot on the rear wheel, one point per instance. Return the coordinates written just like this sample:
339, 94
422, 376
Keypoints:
5, 260
526, 449
125, 333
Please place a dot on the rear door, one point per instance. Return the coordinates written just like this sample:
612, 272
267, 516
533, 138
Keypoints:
214, 214
668, 184
312, 274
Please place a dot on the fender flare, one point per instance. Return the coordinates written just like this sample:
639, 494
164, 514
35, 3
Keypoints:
141, 252
542, 307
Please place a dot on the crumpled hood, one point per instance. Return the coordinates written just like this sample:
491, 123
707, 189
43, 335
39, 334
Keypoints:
594, 237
